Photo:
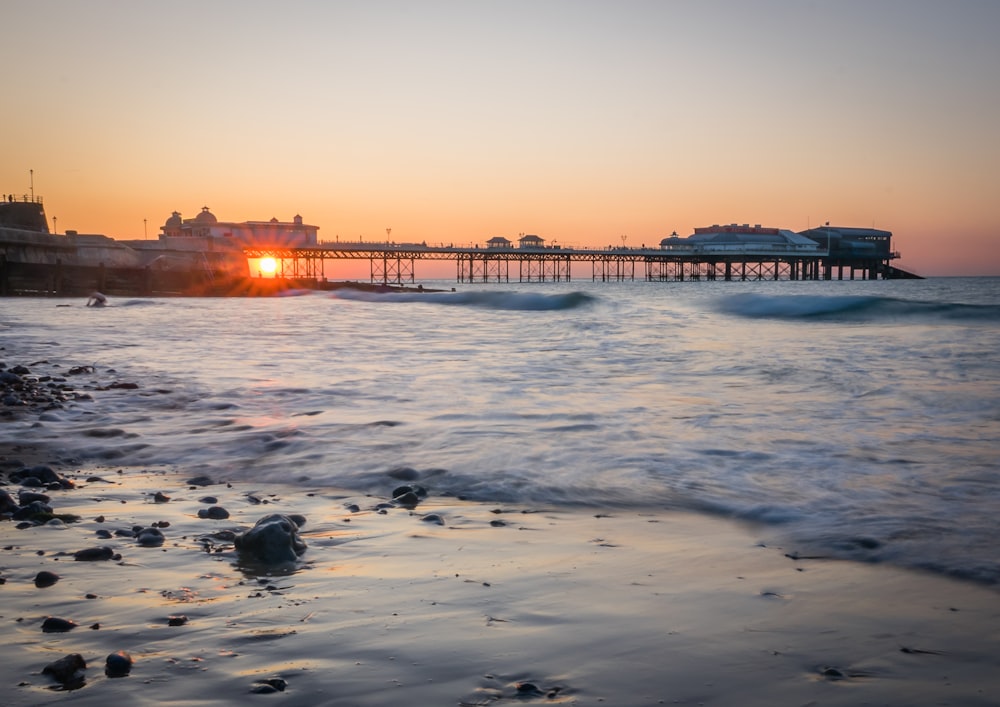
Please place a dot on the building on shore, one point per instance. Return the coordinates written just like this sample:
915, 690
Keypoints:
199, 255
282, 234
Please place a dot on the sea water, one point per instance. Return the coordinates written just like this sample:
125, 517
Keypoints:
851, 419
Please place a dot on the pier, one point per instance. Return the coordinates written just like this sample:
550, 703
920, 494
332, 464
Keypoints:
395, 264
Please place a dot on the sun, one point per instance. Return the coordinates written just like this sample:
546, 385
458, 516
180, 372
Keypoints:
268, 265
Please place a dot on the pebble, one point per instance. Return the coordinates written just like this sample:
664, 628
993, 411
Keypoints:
26, 497
65, 670
29, 511
54, 624
45, 579
269, 686
7, 502
527, 688
213, 512
118, 664
94, 554
409, 495
177, 620
274, 539
149, 537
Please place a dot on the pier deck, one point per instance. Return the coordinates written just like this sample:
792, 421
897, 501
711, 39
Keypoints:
395, 264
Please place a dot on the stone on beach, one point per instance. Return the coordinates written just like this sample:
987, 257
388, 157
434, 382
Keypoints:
66, 670
274, 539
149, 537
213, 513
409, 495
54, 624
45, 579
94, 554
118, 664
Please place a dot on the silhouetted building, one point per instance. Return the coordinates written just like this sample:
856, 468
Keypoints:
740, 238
853, 242
286, 234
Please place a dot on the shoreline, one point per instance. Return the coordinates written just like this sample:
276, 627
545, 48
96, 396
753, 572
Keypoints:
494, 604
453, 602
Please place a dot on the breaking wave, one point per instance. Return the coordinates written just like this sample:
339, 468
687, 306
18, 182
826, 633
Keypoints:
851, 308
513, 301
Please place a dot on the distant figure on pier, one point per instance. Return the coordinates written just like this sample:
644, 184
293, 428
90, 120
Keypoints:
97, 299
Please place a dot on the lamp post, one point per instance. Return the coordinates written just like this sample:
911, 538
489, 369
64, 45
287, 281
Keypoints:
55, 225
144, 236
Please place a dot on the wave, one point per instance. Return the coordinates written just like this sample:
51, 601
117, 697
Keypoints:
514, 301
138, 303
851, 308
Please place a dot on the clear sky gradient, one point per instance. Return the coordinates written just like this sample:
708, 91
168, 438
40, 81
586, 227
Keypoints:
456, 121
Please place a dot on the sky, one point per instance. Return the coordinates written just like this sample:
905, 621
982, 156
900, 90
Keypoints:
453, 121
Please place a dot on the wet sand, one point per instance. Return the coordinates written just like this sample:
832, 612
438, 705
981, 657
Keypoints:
497, 605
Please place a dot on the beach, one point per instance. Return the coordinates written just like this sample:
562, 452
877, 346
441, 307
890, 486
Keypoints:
462, 603
600, 496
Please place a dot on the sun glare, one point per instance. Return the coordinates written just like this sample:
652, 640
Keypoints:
268, 265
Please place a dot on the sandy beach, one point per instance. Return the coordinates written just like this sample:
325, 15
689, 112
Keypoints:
459, 603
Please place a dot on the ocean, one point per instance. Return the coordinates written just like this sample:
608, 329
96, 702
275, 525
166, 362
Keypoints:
849, 419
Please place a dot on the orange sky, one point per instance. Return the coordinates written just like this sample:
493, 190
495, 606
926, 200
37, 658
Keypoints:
451, 122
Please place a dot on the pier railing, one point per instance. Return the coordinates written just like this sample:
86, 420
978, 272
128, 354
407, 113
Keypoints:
394, 263
22, 198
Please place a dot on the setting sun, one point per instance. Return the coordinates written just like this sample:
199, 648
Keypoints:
268, 266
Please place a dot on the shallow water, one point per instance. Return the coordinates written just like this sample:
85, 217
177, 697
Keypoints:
852, 419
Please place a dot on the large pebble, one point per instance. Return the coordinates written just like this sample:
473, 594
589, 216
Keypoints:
54, 624
45, 579
213, 512
118, 664
149, 537
409, 495
94, 554
7, 502
274, 539
65, 671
